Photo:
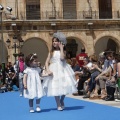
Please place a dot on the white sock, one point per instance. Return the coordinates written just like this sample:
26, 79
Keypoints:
31, 108
37, 105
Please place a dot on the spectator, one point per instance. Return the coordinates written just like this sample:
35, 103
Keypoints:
106, 75
95, 71
11, 81
118, 78
2, 86
76, 68
103, 66
111, 82
20, 66
84, 75
80, 57
9, 68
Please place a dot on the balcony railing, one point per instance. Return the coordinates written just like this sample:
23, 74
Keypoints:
31, 15
51, 15
48, 15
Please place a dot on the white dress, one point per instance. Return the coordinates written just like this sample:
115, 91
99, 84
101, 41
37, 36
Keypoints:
63, 80
34, 86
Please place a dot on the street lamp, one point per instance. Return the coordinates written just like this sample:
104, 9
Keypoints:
2, 40
1, 9
21, 42
9, 9
15, 45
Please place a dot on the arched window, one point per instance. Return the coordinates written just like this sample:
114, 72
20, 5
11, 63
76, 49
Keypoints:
32, 9
69, 9
105, 9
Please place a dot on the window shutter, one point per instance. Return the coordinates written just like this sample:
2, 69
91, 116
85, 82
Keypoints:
105, 9
32, 9
69, 9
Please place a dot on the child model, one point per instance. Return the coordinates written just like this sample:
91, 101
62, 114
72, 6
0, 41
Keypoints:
32, 82
62, 79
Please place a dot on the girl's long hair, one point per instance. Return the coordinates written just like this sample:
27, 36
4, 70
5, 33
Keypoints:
53, 48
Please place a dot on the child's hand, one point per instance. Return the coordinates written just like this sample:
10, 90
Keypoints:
95, 66
50, 73
61, 45
25, 86
97, 78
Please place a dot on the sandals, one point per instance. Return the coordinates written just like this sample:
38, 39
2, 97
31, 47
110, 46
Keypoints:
86, 96
94, 96
103, 96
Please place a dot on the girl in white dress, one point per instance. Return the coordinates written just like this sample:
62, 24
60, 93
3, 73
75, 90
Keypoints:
62, 78
32, 82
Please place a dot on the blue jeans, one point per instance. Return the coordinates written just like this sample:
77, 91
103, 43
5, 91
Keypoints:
92, 82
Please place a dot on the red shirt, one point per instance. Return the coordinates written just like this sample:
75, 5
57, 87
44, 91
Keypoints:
80, 57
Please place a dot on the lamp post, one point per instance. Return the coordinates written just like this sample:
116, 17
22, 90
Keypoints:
2, 40
2, 50
15, 45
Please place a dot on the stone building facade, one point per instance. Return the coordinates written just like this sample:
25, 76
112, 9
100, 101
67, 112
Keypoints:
94, 24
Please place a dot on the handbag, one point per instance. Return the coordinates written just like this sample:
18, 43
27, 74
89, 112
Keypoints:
111, 82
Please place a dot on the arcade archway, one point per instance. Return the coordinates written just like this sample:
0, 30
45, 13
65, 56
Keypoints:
73, 46
106, 43
3, 53
36, 45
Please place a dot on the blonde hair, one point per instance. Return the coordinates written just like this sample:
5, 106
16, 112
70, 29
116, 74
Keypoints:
93, 58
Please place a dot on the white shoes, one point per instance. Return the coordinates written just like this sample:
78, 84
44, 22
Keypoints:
21, 94
59, 109
32, 110
117, 100
38, 109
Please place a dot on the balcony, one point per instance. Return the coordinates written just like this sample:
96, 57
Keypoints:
51, 15
79, 15
75, 21
33, 15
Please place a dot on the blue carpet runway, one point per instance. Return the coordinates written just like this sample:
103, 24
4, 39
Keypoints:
13, 107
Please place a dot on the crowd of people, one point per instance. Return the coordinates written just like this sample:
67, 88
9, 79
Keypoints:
91, 76
8, 80
97, 76
11, 77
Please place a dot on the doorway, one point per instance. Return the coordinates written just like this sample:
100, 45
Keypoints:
73, 47
38, 46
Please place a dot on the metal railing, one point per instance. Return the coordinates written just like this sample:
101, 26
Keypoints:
31, 15
79, 15
51, 15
